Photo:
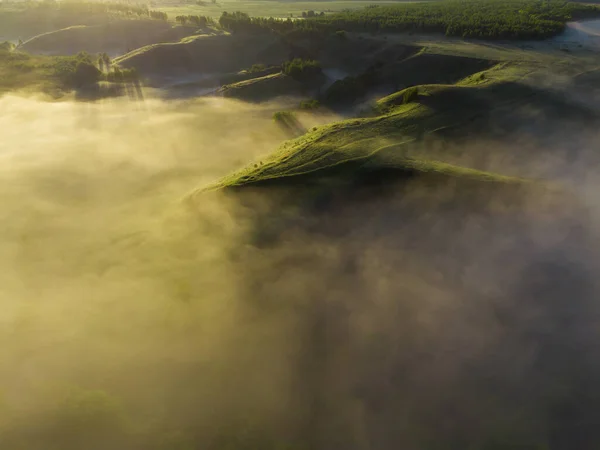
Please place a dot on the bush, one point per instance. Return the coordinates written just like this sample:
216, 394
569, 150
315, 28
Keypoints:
76, 71
6, 46
301, 68
85, 74
310, 104
341, 34
257, 68
284, 116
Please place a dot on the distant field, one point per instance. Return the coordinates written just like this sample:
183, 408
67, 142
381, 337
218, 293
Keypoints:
265, 8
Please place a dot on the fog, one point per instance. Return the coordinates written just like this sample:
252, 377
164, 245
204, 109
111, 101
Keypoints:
131, 319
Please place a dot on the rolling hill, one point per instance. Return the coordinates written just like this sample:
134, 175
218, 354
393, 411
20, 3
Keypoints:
205, 53
418, 132
115, 38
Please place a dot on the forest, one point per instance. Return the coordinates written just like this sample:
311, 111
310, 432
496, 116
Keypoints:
494, 19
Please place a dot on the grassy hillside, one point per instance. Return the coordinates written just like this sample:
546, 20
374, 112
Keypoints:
21, 71
354, 53
425, 68
388, 75
263, 88
394, 140
28, 19
256, 71
116, 37
206, 53
297, 77
355, 144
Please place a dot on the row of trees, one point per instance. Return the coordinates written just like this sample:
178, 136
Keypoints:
311, 13
199, 21
486, 19
239, 21
158, 15
242, 22
104, 62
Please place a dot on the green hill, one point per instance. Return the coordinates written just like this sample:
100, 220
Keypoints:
262, 88
206, 53
271, 86
115, 37
392, 75
354, 150
393, 142
425, 68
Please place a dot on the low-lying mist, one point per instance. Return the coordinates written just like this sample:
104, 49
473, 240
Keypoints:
132, 320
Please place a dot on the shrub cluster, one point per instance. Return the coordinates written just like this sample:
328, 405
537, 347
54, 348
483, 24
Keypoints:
199, 21
77, 71
301, 69
6, 46
311, 13
283, 116
257, 68
80, 71
310, 104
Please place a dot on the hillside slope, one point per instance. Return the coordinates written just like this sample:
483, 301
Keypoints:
25, 24
262, 88
396, 139
206, 53
114, 38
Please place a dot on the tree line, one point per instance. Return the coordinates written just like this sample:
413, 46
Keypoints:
312, 13
483, 19
199, 21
